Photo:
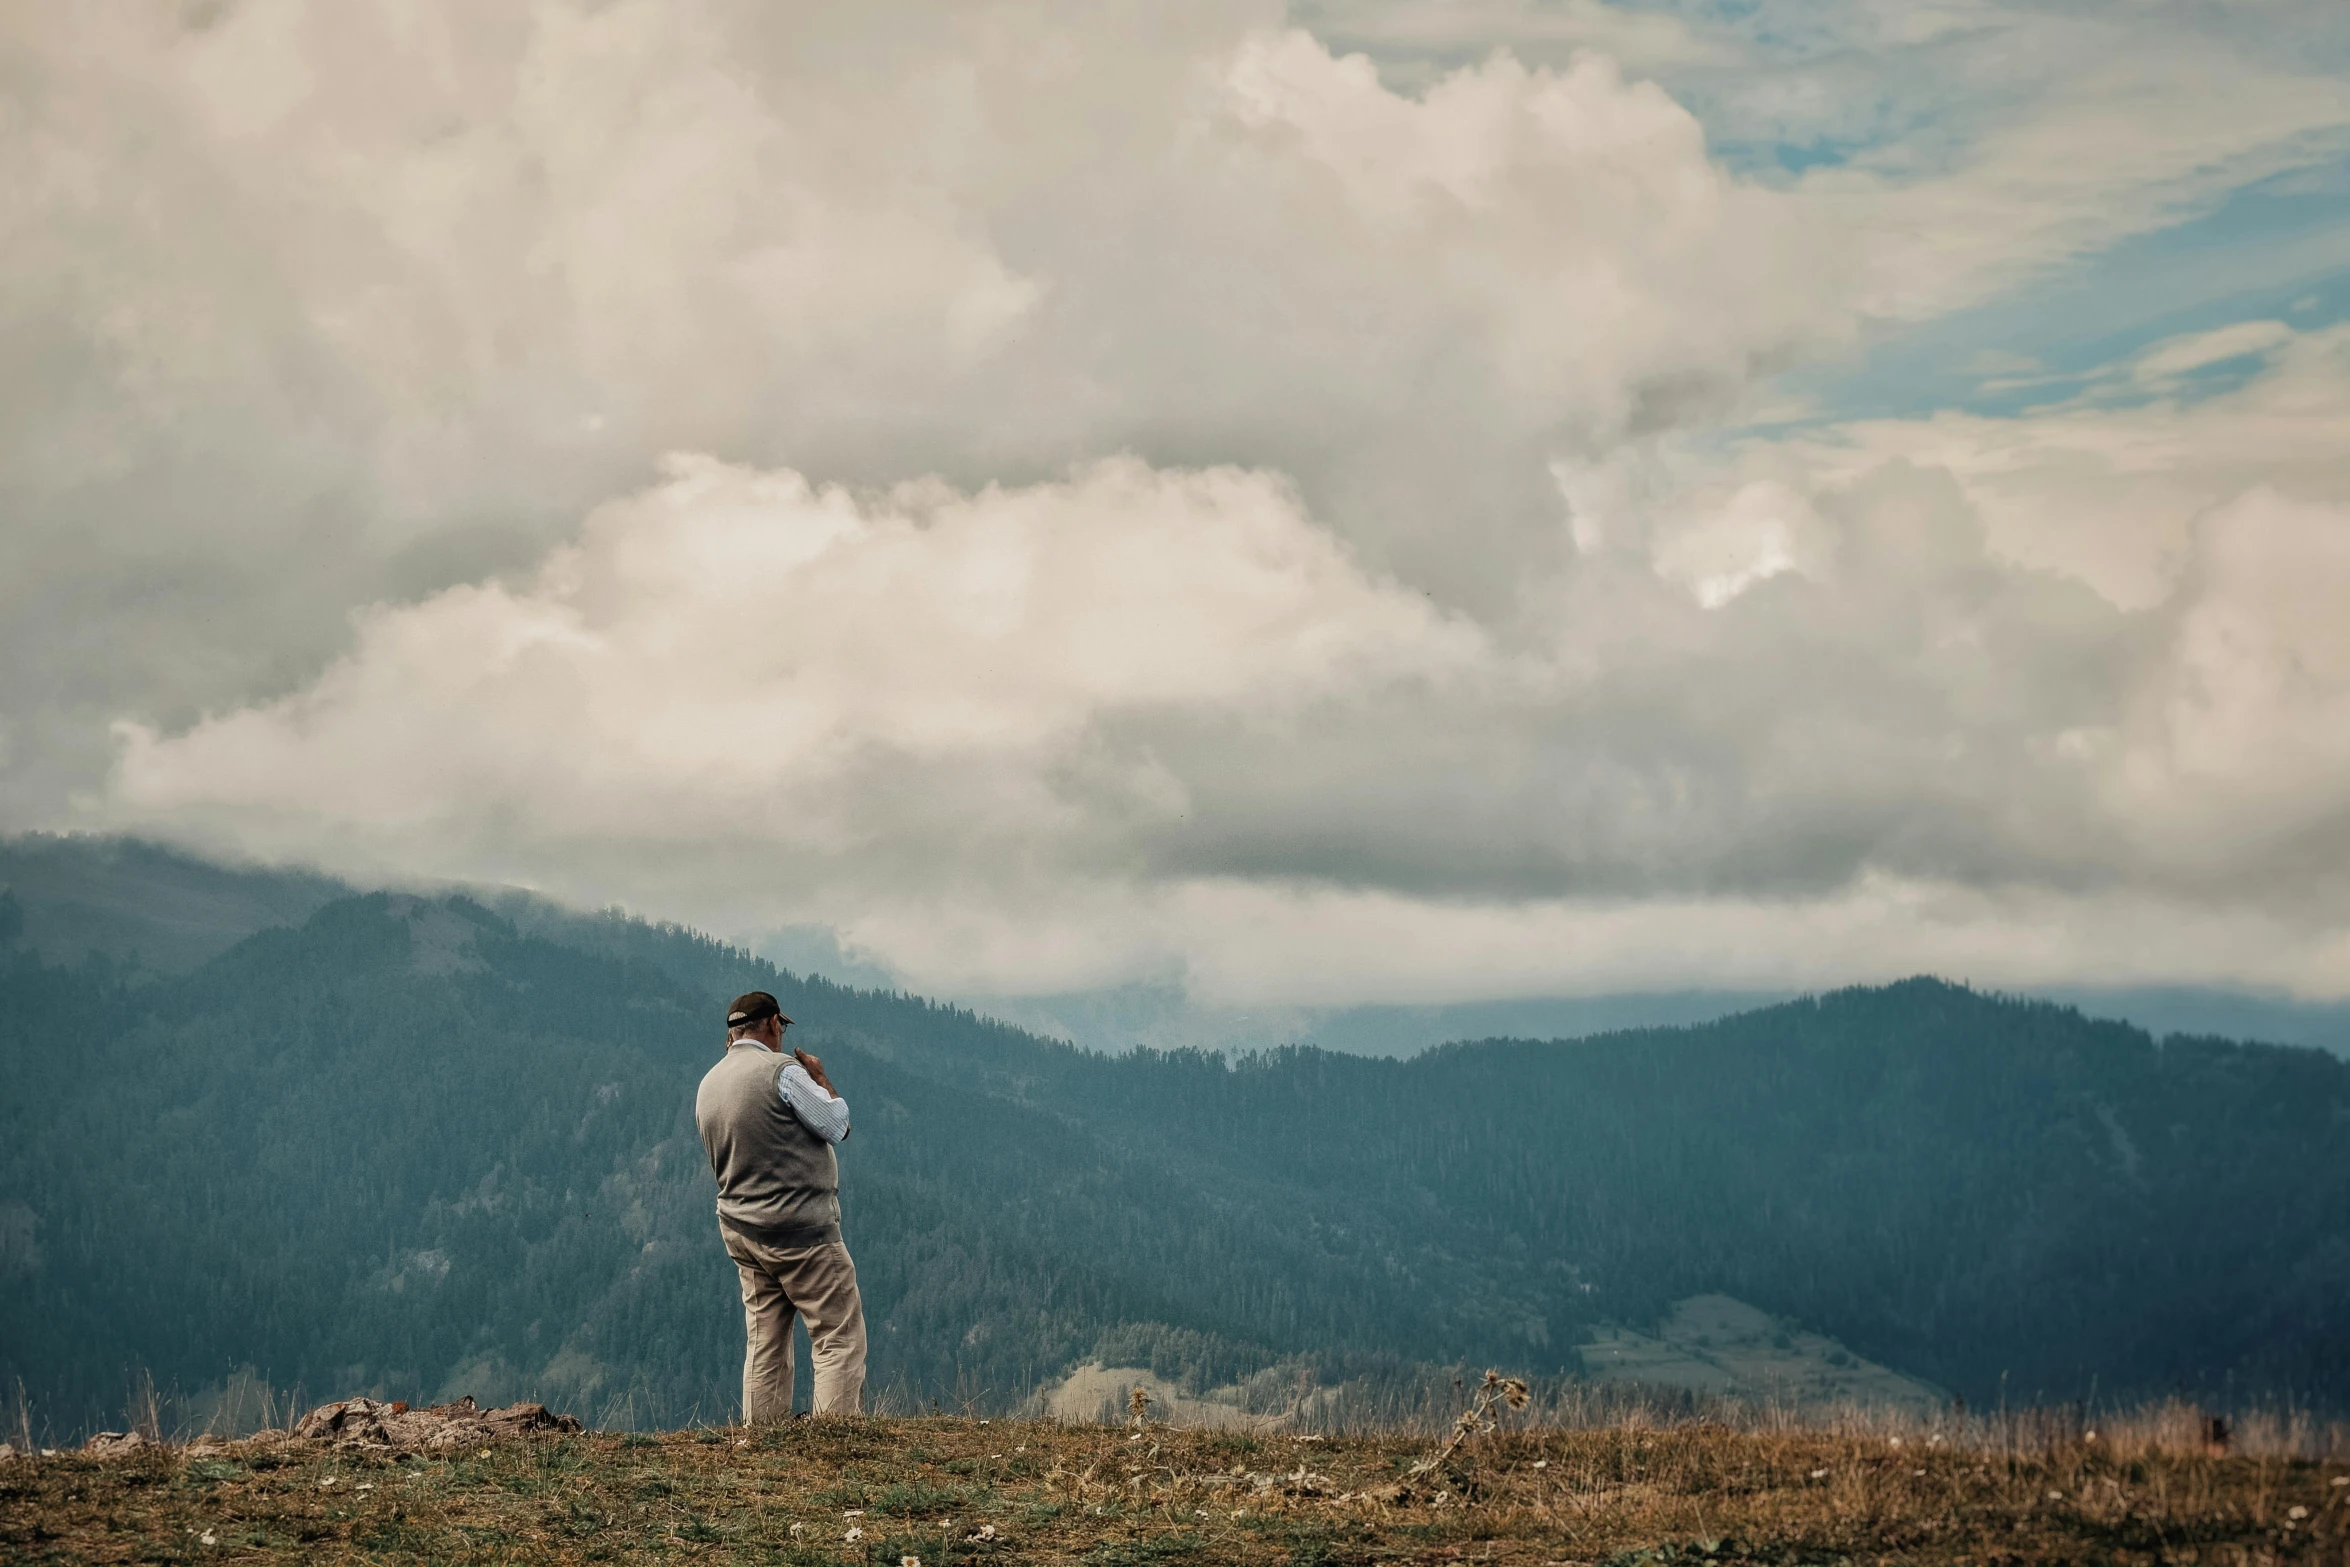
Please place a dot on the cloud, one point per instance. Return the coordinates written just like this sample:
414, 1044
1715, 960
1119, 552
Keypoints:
2092, 166
1250, 944
1643, 41
2201, 350
2108, 491
1962, 147
1142, 722
1172, 498
310, 305
897, 689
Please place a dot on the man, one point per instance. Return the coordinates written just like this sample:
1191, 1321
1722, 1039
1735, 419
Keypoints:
769, 1126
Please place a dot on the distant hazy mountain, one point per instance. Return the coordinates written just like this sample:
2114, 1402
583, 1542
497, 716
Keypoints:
2276, 1020
1162, 1017
127, 899
418, 1147
173, 910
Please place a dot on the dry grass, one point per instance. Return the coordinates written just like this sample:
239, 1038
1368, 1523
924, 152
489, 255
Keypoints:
958, 1491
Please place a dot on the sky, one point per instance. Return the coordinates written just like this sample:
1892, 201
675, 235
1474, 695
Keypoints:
1311, 505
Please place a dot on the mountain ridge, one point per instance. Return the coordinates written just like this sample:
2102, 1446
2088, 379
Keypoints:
120, 896
414, 1148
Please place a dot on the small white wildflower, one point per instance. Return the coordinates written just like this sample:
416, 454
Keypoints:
484, 1453
1241, 1513
1897, 1441
1819, 1474
797, 1527
909, 1561
323, 1484
853, 1536
742, 1441
986, 1532
2056, 1496
2089, 1436
2298, 1512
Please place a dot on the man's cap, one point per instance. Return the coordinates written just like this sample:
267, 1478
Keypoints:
754, 1006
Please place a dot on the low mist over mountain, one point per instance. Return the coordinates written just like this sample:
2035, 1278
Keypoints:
163, 909
419, 1146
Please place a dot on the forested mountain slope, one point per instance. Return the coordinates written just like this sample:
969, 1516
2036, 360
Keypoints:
414, 1148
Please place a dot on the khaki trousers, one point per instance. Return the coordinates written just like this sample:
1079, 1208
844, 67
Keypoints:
816, 1281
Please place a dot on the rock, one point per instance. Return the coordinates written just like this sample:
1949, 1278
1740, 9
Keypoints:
117, 1444
353, 1420
394, 1427
522, 1419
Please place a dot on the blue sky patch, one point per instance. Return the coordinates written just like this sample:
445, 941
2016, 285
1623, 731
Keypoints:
2277, 250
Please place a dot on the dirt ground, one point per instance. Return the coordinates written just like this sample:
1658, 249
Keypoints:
957, 1491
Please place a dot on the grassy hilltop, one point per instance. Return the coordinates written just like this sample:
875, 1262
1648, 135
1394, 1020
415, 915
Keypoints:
960, 1491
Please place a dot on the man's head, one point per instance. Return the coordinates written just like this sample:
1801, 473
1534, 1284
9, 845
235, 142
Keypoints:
756, 1015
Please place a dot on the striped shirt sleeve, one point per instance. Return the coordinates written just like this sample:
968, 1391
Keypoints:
827, 1115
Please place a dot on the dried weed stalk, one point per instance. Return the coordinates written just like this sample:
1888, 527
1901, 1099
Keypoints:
1493, 1392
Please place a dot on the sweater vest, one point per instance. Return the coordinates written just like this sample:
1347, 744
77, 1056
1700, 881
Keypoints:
777, 1181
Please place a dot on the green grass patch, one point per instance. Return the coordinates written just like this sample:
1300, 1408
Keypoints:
920, 1499
1143, 1552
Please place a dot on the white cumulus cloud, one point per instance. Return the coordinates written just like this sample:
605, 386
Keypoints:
1176, 495
834, 692
1138, 722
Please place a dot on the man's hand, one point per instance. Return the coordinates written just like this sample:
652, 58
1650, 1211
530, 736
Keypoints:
815, 1069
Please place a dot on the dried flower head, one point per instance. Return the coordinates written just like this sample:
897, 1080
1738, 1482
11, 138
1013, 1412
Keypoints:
1493, 1389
